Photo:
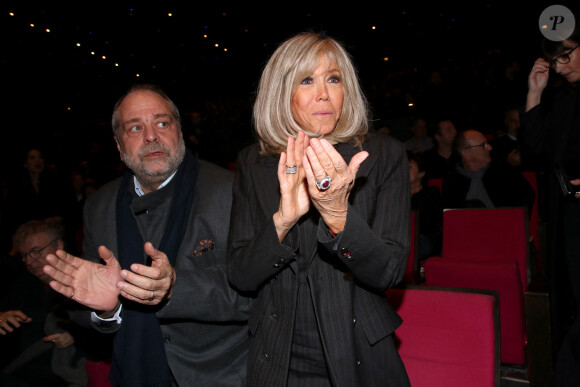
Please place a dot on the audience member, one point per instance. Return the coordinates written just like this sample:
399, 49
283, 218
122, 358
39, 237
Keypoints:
33, 193
45, 346
477, 181
506, 143
442, 158
426, 201
420, 141
318, 239
177, 321
551, 135
73, 211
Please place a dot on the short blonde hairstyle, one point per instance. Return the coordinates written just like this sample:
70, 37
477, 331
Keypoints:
293, 61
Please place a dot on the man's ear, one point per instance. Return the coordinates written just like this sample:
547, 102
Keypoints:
118, 144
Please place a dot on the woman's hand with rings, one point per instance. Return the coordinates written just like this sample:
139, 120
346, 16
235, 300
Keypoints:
294, 200
11, 319
330, 181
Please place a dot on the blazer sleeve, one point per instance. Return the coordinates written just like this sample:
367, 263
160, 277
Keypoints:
375, 242
255, 253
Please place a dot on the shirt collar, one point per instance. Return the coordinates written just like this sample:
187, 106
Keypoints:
139, 190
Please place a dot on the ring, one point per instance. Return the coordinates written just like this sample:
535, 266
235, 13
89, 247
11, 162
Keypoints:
324, 184
152, 295
291, 169
72, 295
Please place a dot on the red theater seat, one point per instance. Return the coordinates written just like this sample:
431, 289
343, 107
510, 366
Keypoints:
449, 337
500, 276
435, 182
412, 270
488, 249
535, 216
98, 373
487, 234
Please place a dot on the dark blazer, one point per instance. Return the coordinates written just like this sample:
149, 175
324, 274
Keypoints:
551, 131
347, 275
505, 186
436, 166
204, 325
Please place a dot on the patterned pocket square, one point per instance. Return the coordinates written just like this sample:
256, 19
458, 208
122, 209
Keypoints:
203, 246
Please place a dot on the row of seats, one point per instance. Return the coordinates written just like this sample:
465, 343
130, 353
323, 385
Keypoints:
483, 250
534, 219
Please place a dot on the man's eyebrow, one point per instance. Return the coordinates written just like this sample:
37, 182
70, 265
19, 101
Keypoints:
136, 119
132, 120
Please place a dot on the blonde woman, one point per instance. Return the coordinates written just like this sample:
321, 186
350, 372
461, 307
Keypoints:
320, 226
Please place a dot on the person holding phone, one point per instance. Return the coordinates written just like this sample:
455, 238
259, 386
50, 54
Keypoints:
551, 136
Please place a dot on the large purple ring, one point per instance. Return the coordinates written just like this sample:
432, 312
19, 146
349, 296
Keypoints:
324, 184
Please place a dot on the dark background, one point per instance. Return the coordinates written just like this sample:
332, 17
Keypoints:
59, 96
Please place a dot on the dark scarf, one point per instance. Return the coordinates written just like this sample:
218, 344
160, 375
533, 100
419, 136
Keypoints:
139, 357
477, 191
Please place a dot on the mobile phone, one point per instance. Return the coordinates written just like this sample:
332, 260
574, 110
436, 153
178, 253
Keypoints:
565, 173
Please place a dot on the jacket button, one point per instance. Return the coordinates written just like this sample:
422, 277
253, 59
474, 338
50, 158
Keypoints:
274, 316
267, 356
166, 340
354, 321
358, 362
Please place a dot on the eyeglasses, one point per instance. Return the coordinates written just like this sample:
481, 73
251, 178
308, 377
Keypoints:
35, 253
564, 58
484, 145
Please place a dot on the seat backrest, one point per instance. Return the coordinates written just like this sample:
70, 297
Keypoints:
534, 216
482, 234
411, 271
435, 182
502, 276
448, 336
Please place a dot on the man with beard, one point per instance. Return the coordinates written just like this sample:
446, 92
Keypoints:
162, 232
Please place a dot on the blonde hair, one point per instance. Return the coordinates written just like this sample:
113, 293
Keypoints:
294, 60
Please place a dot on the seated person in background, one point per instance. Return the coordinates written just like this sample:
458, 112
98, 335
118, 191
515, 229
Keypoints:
506, 146
427, 202
419, 142
477, 181
441, 159
41, 342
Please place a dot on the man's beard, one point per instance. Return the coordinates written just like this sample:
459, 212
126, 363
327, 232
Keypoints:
153, 178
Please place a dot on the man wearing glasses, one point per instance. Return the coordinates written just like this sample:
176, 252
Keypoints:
551, 137
43, 344
477, 181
